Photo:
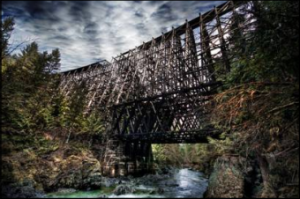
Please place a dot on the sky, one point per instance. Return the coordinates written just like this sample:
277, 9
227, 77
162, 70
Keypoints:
90, 31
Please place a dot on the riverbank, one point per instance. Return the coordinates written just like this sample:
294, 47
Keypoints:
46, 163
46, 166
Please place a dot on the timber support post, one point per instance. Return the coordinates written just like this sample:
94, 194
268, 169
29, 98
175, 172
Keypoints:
125, 158
159, 92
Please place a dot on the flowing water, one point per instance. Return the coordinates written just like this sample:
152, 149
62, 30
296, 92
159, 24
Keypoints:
182, 183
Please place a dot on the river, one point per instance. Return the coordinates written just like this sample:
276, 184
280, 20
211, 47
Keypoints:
182, 183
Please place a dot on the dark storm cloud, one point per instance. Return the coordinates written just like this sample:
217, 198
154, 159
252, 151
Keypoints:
139, 14
164, 13
79, 11
88, 31
13, 8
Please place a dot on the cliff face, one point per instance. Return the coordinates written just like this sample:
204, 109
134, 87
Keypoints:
34, 165
230, 178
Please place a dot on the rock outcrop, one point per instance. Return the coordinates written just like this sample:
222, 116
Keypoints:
62, 168
229, 178
123, 189
21, 190
76, 171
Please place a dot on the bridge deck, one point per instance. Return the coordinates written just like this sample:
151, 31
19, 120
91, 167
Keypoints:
190, 137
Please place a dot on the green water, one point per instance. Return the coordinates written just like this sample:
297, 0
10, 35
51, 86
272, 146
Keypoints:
78, 194
83, 194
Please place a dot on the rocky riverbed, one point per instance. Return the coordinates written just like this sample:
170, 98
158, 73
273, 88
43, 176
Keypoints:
56, 169
178, 183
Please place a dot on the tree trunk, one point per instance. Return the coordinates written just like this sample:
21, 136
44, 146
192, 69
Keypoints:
268, 191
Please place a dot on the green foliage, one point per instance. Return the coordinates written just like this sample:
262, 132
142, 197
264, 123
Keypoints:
268, 52
93, 125
197, 156
7, 26
31, 101
27, 88
158, 152
259, 102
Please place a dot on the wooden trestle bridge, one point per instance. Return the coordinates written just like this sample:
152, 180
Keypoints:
156, 93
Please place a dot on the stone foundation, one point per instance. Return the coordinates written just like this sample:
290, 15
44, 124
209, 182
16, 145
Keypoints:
124, 159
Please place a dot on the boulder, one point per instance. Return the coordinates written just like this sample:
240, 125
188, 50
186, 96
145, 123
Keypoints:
110, 182
51, 166
77, 172
228, 178
70, 179
21, 190
159, 191
91, 173
80, 173
123, 189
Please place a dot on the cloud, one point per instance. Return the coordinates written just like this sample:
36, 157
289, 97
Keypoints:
87, 31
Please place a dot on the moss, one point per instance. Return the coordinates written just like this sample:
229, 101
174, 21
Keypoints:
29, 154
47, 150
17, 142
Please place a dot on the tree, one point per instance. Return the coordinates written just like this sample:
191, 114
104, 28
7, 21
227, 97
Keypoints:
260, 99
7, 26
28, 82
